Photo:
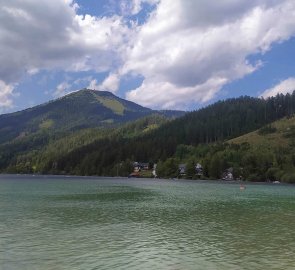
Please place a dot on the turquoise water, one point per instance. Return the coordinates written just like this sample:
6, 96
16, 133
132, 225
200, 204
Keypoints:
99, 223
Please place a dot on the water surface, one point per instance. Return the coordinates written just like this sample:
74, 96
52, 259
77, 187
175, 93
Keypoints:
107, 223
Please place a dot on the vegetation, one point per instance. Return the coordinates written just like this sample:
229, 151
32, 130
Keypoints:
242, 134
80, 110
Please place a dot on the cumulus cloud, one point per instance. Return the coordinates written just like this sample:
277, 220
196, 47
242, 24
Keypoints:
166, 95
185, 51
284, 87
185, 45
110, 83
62, 89
49, 35
94, 85
6, 93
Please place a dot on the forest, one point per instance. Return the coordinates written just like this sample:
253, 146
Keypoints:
200, 136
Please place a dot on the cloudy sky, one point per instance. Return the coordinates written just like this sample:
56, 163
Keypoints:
180, 54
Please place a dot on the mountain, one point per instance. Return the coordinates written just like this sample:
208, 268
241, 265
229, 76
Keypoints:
79, 110
216, 123
201, 136
59, 126
38, 151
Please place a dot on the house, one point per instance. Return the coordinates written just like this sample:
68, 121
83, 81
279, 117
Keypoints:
140, 166
136, 167
228, 174
145, 166
199, 169
182, 169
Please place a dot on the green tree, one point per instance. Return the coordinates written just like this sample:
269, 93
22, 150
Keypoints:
215, 169
190, 169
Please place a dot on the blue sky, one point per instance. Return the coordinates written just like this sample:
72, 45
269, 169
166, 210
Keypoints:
159, 53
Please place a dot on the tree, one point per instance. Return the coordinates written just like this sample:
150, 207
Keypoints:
190, 169
215, 167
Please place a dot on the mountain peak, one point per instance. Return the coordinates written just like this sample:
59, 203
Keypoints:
98, 92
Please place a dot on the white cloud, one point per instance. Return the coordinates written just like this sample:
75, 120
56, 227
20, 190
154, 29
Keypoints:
6, 93
110, 83
93, 85
186, 51
62, 89
284, 87
185, 45
37, 35
133, 7
168, 96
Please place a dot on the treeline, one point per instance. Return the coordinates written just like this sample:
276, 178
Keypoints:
245, 162
39, 153
104, 152
215, 123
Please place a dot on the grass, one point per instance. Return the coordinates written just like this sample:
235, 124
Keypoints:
150, 127
275, 139
116, 106
46, 124
108, 121
146, 174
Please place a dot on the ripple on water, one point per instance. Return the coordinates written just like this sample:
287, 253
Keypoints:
116, 224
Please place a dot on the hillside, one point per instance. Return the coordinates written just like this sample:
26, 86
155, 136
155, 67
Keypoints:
68, 123
278, 134
32, 153
267, 154
211, 136
216, 123
79, 110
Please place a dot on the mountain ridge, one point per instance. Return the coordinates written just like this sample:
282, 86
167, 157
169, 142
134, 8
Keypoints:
85, 108
201, 136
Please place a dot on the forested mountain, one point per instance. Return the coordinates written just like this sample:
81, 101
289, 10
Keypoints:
196, 135
79, 110
33, 153
216, 123
267, 154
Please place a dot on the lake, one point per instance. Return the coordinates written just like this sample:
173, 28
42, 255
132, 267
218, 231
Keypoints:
115, 223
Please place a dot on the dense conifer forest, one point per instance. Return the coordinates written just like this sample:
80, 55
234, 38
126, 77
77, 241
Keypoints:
203, 136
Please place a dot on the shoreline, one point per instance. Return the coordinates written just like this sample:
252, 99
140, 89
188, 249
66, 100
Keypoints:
66, 176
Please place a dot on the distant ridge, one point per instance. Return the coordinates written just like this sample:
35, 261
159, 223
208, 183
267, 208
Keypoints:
104, 151
78, 110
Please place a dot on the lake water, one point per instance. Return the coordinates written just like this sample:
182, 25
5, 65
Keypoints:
98, 223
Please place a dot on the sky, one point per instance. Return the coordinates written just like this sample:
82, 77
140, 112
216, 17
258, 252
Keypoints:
162, 54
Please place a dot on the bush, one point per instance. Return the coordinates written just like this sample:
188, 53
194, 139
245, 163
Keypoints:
273, 174
267, 130
288, 178
253, 177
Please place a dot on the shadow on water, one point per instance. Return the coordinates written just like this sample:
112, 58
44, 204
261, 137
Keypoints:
107, 205
103, 197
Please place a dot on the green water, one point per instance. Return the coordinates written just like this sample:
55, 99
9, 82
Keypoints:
94, 223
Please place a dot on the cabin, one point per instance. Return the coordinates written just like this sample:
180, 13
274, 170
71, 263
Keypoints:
228, 174
145, 166
182, 169
140, 166
199, 169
